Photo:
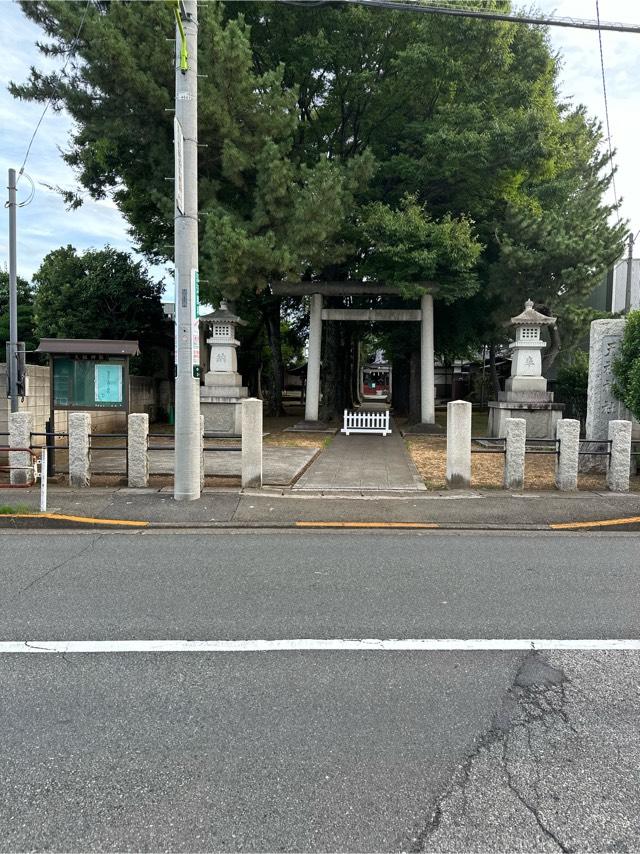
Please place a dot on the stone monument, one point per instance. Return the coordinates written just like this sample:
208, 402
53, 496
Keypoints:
602, 406
525, 395
222, 394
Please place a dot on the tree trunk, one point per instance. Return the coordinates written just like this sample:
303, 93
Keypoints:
415, 408
495, 380
552, 353
272, 319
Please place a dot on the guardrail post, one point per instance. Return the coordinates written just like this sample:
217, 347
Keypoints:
20, 428
138, 450
515, 447
568, 434
459, 444
251, 443
619, 460
79, 449
202, 472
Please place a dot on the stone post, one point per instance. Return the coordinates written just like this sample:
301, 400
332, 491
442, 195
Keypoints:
427, 370
568, 433
312, 402
459, 444
20, 428
138, 450
251, 443
515, 442
619, 461
79, 453
202, 472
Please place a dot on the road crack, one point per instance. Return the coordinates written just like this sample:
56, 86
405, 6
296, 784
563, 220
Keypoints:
535, 702
65, 562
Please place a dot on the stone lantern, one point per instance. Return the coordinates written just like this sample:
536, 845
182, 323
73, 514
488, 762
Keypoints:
525, 395
222, 393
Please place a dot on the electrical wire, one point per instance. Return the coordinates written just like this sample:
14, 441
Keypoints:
50, 100
606, 114
473, 12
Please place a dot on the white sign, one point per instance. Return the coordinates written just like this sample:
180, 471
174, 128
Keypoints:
178, 148
195, 322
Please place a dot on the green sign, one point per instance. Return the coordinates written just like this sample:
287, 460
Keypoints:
79, 383
108, 383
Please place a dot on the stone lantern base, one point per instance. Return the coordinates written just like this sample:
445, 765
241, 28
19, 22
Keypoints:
536, 407
221, 403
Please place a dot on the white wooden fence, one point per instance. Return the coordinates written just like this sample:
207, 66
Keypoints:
361, 421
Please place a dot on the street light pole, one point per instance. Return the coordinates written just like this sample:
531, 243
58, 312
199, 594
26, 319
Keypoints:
627, 294
12, 354
187, 397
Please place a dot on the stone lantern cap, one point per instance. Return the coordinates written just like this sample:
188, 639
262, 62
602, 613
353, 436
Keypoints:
531, 317
223, 315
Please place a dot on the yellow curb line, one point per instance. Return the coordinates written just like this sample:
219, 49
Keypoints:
366, 525
86, 519
603, 523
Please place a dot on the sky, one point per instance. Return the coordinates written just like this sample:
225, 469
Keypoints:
45, 224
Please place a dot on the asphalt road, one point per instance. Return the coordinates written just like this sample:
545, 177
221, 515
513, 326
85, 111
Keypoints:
319, 751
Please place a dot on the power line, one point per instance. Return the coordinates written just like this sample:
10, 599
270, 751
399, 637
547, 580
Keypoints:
489, 15
606, 114
49, 102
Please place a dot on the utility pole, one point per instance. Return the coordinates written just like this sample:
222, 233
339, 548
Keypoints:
187, 397
627, 294
12, 352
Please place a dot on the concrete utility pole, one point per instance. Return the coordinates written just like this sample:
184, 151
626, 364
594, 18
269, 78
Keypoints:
627, 293
12, 366
187, 422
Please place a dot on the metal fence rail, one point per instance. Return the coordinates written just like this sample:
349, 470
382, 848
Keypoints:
534, 449
498, 440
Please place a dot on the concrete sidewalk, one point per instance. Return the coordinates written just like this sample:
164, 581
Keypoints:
280, 509
363, 463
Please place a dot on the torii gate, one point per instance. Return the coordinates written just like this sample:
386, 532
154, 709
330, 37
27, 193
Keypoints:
318, 290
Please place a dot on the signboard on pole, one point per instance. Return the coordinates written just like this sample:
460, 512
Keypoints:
179, 164
195, 322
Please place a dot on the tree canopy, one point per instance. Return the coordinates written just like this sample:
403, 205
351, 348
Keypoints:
345, 142
26, 331
98, 294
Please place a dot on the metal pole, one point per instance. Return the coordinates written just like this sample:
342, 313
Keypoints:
12, 367
627, 295
187, 416
43, 480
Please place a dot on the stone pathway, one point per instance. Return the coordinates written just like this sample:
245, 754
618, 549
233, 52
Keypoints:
280, 464
365, 463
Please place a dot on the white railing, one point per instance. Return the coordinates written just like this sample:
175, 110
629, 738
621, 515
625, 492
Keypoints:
361, 421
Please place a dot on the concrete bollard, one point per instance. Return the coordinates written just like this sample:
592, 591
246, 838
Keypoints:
619, 461
459, 444
251, 443
568, 433
79, 453
515, 442
20, 428
138, 450
202, 472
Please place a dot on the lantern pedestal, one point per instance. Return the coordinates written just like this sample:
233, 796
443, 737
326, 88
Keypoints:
222, 394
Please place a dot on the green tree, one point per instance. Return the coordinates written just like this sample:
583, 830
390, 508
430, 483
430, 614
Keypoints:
321, 122
26, 331
100, 294
626, 367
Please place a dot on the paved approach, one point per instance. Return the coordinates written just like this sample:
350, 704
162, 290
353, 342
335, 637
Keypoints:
318, 751
363, 462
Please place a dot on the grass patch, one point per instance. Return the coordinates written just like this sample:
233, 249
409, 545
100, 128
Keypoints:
15, 510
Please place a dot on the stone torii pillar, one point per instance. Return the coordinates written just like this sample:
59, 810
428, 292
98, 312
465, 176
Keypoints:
427, 372
312, 401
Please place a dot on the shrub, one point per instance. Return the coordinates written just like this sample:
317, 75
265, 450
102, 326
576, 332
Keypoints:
626, 367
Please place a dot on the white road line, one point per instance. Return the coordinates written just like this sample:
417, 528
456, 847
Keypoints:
318, 645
